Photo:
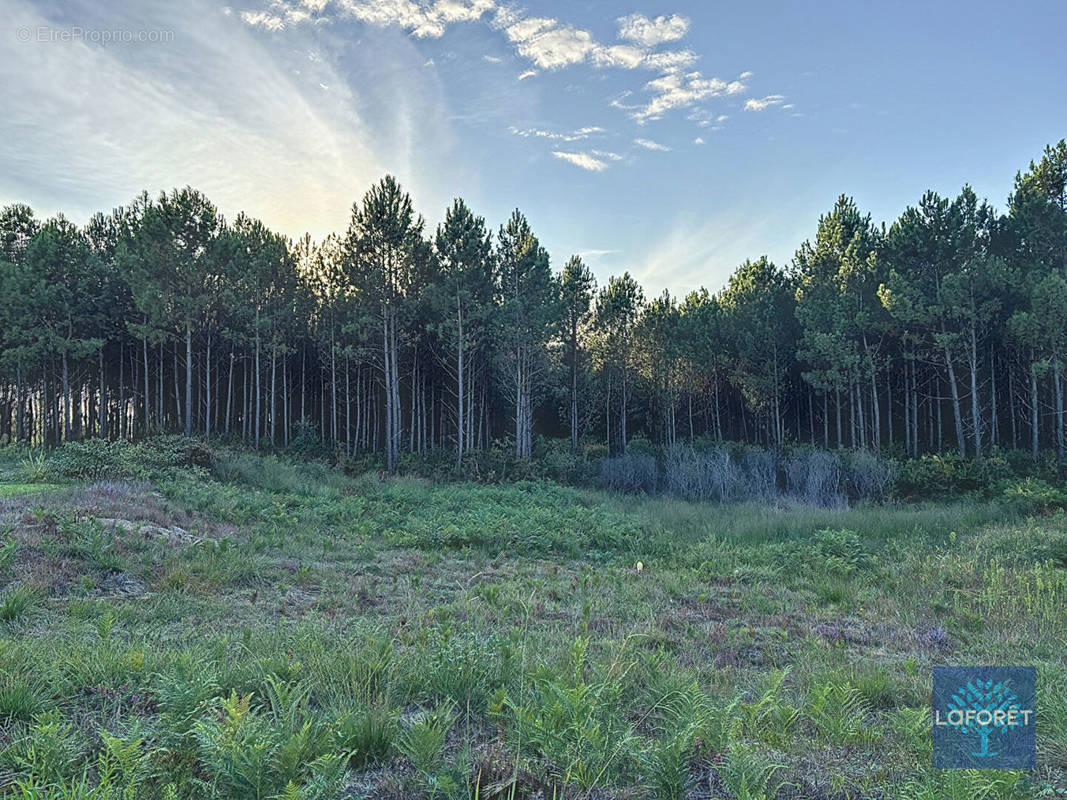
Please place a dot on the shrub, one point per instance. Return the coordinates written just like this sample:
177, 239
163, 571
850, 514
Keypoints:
760, 473
97, 459
870, 477
633, 474
1034, 496
816, 477
949, 476
840, 552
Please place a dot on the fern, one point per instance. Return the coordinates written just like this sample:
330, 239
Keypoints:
838, 712
750, 775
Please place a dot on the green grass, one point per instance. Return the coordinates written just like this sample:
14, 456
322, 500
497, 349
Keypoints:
13, 489
287, 630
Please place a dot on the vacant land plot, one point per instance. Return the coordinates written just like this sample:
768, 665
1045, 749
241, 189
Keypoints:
259, 629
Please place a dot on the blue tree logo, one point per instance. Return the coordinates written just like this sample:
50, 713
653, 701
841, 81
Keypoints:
984, 717
982, 707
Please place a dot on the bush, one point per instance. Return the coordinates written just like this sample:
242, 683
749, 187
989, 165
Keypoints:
950, 476
816, 477
97, 459
870, 477
633, 474
696, 475
1034, 496
760, 473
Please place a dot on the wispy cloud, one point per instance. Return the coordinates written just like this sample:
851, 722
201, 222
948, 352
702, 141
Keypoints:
676, 90
546, 42
573, 136
648, 144
652, 32
217, 108
763, 103
587, 161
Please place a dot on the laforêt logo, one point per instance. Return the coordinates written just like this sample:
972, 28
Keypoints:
984, 717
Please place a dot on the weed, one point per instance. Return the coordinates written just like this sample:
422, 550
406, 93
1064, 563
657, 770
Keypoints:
16, 603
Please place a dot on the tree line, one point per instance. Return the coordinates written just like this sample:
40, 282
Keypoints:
945, 330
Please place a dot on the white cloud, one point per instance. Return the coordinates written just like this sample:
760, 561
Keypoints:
587, 161
548, 44
677, 90
624, 56
648, 144
698, 140
261, 19
763, 103
652, 32
492, 59
422, 20
574, 136
606, 154
670, 60
219, 108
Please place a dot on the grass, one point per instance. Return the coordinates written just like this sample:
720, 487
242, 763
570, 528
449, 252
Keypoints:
267, 629
14, 489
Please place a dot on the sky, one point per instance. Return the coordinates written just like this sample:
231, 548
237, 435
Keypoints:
668, 138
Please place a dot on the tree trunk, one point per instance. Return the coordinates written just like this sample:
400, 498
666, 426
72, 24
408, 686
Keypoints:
1035, 443
207, 389
229, 391
273, 410
1057, 374
390, 453
837, 392
994, 428
101, 419
461, 379
67, 411
188, 378
976, 417
256, 387
20, 418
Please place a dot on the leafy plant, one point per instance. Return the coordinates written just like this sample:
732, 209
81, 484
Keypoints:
367, 736
839, 714
750, 775
423, 741
16, 603
20, 699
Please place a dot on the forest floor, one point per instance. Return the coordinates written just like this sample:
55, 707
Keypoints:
262, 629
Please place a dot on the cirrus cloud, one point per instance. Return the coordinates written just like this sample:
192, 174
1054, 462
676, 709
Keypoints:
587, 161
763, 103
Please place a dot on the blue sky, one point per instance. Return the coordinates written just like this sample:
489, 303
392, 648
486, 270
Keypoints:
670, 139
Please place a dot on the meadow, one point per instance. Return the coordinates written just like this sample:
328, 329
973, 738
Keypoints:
224, 624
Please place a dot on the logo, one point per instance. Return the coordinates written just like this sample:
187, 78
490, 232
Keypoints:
984, 717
